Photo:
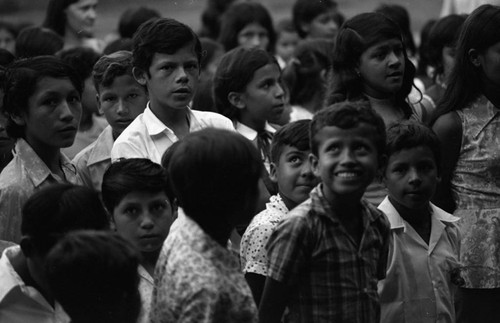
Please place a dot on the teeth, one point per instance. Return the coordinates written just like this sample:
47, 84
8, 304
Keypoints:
347, 175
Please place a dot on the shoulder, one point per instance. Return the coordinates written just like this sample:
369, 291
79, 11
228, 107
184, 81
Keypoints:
213, 119
448, 125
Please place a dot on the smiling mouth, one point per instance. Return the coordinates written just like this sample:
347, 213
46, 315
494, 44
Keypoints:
348, 174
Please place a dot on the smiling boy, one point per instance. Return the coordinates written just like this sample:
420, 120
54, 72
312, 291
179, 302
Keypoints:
326, 258
166, 56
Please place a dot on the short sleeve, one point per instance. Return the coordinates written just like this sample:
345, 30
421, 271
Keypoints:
253, 249
288, 250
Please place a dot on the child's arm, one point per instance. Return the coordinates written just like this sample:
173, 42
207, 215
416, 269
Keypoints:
256, 283
448, 128
274, 300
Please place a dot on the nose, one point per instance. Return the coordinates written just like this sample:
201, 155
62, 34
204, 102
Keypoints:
67, 113
280, 92
121, 109
182, 75
394, 59
347, 156
414, 176
92, 14
306, 170
147, 222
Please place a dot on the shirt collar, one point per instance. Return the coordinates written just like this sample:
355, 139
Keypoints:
102, 148
250, 133
35, 167
397, 222
155, 126
10, 278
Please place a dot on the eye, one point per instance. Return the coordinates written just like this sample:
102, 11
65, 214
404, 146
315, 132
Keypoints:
133, 95
362, 148
109, 99
74, 99
158, 207
131, 211
295, 160
191, 66
400, 169
52, 102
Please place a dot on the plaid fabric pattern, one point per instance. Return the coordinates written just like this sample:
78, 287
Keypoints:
335, 278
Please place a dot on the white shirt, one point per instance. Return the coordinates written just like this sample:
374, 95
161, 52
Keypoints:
418, 287
148, 137
20, 303
146, 285
251, 135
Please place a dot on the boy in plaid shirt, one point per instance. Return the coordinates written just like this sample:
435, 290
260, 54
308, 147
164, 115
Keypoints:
326, 258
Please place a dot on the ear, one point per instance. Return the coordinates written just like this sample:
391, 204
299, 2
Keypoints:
99, 104
306, 27
474, 57
18, 119
27, 246
273, 169
314, 161
140, 75
236, 99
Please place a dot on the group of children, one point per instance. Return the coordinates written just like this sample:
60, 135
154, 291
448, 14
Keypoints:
331, 218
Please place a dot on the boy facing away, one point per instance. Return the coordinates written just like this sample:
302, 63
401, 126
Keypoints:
121, 99
166, 59
291, 169
425, 241
326, 258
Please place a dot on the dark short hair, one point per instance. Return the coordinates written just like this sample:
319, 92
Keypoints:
82, 59
37, 41
213, 172
55, 16
295, 134
162, 35
238, 16
236, 69
118, 45
111, 66
93, 275
410, 134
19, 81
348, 115
52, 212
132, 18
133, 175
304, 11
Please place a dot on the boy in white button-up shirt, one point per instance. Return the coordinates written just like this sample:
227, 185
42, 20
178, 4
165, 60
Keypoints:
424, 247
166, 57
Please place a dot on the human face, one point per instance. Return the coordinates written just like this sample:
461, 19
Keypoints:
80, 17
322, 26
172, 79
294, 176
144, 218
490, 63
264, 97
54, 110
253, 35
122, 102
285, 45
347, 161
7, 40
411, 177
382, 67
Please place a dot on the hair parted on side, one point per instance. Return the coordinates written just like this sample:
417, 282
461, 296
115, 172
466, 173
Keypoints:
348, 115
295, 134
354, 37
109, 67
19, 81
164, 36
236, 69
133, 175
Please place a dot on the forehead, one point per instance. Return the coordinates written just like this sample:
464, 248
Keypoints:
412, 155
120, 82
384, 44
51, 84
143, 197
83, 3
362, 132
183, 54
268, 71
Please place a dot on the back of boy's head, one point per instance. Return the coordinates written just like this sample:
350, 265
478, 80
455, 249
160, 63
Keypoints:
93, 275
111, 66
118, 45
37, 41
236, 69
213, 173
133, 175
304, 11
411, 134
132, 18
295, 134
349, 115
82, 59
162, 36
52, 212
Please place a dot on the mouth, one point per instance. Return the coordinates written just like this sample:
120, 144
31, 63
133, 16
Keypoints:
183, 90
348, 174
397, 74
123, 121
68, 129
